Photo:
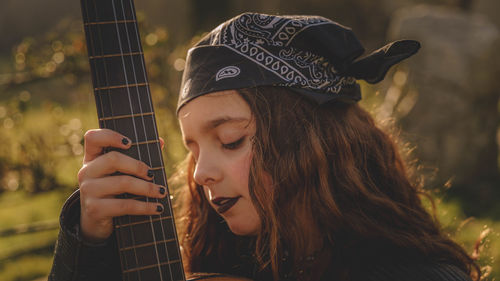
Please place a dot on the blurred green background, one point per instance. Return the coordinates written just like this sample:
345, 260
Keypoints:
47, 104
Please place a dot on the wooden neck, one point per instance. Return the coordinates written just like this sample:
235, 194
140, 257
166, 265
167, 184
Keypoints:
148, 245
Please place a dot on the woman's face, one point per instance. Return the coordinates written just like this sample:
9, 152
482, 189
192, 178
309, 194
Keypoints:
217, 128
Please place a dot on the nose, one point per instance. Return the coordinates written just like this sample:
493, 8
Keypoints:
208, 170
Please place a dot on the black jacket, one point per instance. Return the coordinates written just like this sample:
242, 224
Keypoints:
76, 260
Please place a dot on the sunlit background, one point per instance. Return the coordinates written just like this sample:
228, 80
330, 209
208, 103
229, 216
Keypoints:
445, 101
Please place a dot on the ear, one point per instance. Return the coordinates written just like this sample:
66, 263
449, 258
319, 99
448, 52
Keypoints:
374, 67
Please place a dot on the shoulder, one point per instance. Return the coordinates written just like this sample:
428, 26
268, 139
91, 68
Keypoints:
415, 271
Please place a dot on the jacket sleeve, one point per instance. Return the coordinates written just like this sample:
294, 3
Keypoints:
77, 260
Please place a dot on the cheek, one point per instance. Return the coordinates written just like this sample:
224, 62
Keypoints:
240, 169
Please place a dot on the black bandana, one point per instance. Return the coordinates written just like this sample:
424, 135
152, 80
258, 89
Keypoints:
312, 55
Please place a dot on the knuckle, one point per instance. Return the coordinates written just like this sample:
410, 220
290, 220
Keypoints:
113, 157
81, 174
126, 205
89, 135
122, 182
83, 189
90, 208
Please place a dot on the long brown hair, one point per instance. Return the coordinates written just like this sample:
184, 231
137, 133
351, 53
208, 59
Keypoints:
337, 178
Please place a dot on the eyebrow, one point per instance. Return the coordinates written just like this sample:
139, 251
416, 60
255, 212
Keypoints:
212, 124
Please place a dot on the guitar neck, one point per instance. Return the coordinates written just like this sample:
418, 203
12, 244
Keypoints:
148, 245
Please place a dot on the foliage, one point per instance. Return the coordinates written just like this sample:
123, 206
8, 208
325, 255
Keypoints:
47, 105
45, 108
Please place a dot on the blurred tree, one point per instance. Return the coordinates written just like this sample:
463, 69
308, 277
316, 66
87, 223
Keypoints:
449, 108
208, 14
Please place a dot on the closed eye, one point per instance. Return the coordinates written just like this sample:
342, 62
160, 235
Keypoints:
233, 145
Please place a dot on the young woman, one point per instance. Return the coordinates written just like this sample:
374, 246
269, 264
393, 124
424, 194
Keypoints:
287, 177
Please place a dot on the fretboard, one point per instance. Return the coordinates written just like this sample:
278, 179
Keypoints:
148, 245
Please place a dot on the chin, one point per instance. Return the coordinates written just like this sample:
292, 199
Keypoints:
243, 227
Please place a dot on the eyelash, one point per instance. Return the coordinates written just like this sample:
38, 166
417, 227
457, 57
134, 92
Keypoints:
233, 145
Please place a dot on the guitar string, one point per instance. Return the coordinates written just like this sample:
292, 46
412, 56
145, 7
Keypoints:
159, 153
123, 261
131, 110
144, 129
118, 219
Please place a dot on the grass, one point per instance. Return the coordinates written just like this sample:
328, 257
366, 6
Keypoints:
29, 208
473, 234
27, 256
42, 131
50, 134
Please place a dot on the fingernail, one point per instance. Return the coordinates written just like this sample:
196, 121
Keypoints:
162, 190
159, 209
150, 173
125, 141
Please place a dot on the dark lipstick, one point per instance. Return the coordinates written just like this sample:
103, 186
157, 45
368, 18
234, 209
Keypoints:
225, 203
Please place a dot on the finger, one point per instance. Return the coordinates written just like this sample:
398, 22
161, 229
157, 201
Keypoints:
107, 208
112, 162
114, 185
96, 140
162, 142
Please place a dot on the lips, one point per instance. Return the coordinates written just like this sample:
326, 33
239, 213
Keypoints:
225, 203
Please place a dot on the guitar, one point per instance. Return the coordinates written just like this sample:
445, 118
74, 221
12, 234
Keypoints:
148, 245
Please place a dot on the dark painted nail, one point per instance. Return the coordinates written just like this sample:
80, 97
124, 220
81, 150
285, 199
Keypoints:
162, 190
150, 173
159, 209
125, 141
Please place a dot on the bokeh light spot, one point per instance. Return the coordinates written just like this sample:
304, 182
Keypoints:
8, 123
400, 78
25, 96
12, 184
151, 39
179, 64
58, 57
75, 124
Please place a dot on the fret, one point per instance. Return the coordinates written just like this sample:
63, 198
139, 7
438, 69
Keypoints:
116, 55
151, 266
158, 176
118, 99
145, 232
143, 199
99, 10
164, 252
137, 129
145, 142
167, 253
109, 22
174, 272
122, 86
127, 116
143, 221
146, 245
120, 71
150, 154
120, 38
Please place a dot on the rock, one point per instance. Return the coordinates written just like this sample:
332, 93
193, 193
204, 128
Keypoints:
454, 85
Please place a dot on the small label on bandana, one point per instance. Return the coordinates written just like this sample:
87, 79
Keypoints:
227, 72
